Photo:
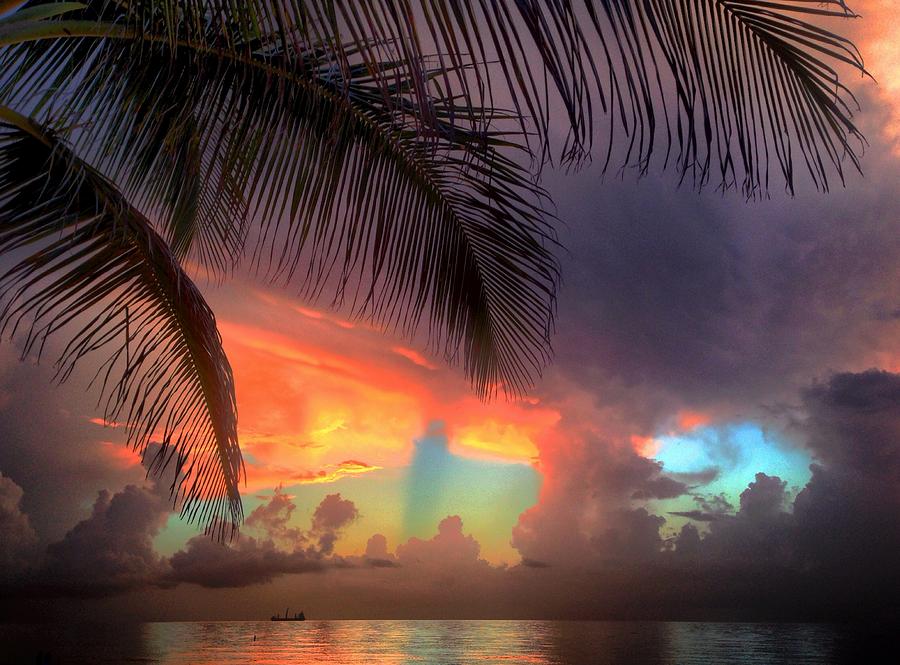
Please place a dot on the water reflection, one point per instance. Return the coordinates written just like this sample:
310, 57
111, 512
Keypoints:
445, 642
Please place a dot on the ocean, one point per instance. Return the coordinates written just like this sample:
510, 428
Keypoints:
444, 642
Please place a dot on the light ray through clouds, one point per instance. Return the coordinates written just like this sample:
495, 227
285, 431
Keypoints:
487, 495
325, 401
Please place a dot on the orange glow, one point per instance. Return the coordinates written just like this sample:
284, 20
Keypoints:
499, 439
335, 472
879, 41
645, 446
309, 313
103, 423
122, 457
691, 420
505, 431
320, 399
414, 357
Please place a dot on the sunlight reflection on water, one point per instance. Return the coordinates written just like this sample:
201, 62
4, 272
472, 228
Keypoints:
445, 642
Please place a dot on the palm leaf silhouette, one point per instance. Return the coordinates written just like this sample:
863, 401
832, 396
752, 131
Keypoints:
380, 153
94, 268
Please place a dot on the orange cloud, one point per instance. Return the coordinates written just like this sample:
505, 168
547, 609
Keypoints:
646, 446
879, 40
414, 357
691, 420
311, 398
336, 472
502, 430
122, 456
315, 391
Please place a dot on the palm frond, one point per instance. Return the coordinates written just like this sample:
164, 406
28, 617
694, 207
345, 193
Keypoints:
336, 178
88, 267
721, 86
327, 124
718, 86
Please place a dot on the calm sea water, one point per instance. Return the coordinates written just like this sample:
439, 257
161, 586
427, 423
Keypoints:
444, 642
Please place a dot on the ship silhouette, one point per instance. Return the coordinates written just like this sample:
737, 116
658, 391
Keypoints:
289, 617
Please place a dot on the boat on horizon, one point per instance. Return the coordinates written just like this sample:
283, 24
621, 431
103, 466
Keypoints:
289, 617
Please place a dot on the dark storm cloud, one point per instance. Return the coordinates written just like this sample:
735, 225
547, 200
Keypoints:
17, 537
279, 548
697, 478
697, 515
586, 510
847, 514
531, 563
861, 407
758, 532
112, 550
827, 552
248, 562
841, 533
109, 552
49, 447
674, 300
660, 488
710, 508
671, 301
713, 503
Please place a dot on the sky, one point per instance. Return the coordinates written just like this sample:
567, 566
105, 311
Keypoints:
718, 435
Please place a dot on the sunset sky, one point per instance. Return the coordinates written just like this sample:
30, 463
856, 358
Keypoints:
721, 417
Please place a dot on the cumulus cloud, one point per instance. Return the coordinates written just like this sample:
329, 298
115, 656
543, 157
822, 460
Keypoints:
774, 554
758, 532
861, 407
763, 498
280, 547
250, 561
589, 508
50, 446
672, 302
273, 519
112, 550
847, 514
833, 547
18, 540
331, 515
591, 549
377, 554
449, 547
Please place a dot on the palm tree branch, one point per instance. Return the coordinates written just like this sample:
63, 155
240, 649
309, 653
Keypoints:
464, 194
688, 68
86, 262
